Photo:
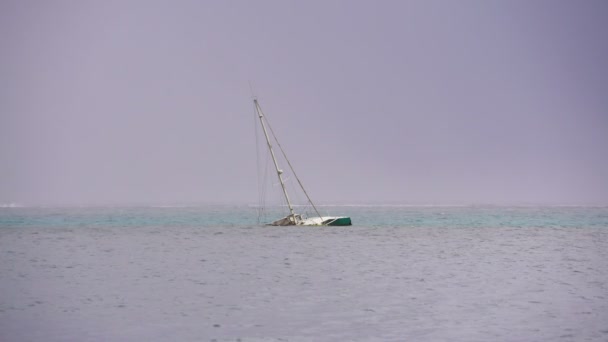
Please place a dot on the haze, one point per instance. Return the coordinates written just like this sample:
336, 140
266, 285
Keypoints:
148, 102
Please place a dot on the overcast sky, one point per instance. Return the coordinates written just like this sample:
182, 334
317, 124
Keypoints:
134, 102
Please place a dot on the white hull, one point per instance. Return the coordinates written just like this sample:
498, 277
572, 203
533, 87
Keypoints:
297, 220
318, 221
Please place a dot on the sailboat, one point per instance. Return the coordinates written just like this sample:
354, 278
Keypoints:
293, 218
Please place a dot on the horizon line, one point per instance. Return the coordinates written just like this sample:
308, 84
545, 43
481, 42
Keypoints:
11, 205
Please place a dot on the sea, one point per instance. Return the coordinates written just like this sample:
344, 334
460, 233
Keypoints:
217, 273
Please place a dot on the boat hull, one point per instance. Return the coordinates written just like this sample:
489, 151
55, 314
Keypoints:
327, 221
340, 221
297, 220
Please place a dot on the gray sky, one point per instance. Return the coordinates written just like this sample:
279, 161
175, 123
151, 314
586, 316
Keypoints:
126, 102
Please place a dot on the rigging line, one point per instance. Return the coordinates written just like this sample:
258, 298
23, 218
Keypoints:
265, 182
291, 167
257, 160
264, 188
264, 185
274, 159
253, 96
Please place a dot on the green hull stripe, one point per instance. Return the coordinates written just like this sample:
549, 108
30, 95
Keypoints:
342, 221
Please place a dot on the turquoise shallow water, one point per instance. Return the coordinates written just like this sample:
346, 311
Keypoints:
364, 216
214, 273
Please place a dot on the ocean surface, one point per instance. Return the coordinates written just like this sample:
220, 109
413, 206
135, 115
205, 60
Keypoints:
214, 273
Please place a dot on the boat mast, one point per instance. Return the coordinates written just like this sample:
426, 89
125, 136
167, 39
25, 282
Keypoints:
274, 159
